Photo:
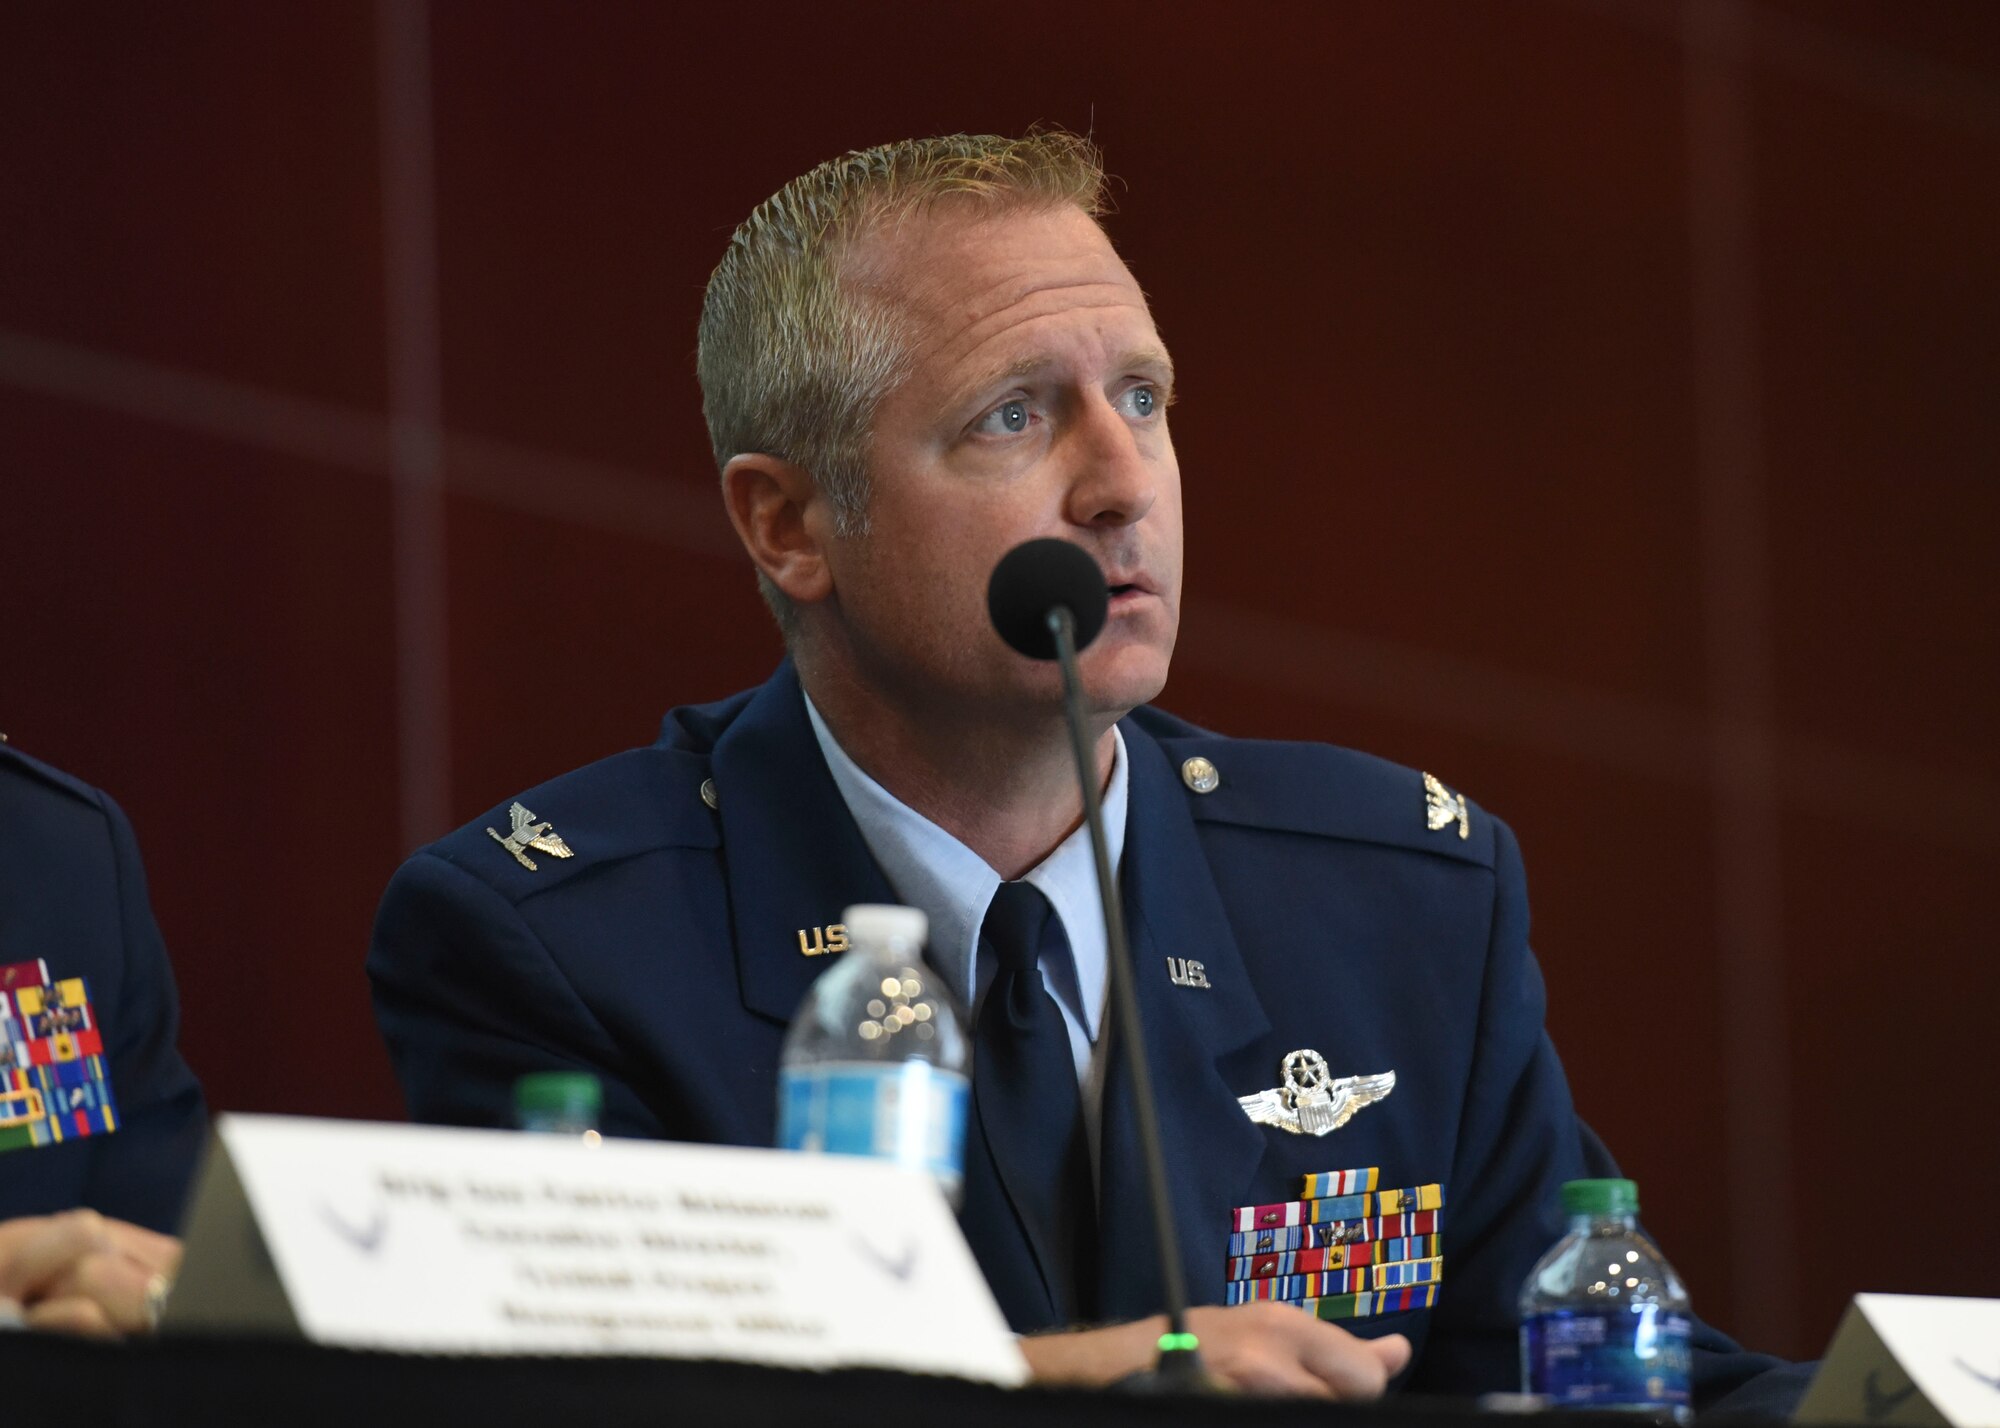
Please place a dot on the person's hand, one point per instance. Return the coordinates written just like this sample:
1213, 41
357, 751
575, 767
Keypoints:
1261, 1348
81, 1273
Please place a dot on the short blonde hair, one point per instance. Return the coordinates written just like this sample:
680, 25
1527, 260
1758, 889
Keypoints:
792, 362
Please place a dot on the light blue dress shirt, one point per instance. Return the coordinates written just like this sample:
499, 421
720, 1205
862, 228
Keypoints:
951, 885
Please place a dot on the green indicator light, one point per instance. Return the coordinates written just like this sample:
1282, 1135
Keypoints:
1169, 1343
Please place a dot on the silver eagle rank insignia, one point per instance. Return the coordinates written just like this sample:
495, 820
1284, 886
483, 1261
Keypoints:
530, 834
1311, 1102
1442, 808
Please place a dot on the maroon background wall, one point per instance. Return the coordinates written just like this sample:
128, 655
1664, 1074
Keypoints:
1592, 403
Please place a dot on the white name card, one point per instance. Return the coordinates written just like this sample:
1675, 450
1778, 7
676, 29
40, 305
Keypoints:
1905, 1358
460, 1241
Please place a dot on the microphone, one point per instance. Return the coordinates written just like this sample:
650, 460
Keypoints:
1048, 599
1034, 579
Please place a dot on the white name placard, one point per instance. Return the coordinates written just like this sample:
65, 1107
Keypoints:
460, 1241
1910, 1359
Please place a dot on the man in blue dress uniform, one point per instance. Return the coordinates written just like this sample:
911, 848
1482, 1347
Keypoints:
100, 1118
913, 359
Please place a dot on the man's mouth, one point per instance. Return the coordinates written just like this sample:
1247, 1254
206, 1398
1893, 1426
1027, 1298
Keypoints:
1127, 592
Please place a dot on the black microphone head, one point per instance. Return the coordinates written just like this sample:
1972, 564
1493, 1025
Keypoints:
1034, 578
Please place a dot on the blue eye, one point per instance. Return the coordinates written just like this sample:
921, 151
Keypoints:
1145, 401
1009, 419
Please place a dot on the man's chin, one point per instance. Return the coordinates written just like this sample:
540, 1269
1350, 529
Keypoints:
1118, 685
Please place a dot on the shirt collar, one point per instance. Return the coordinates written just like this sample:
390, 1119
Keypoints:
936, 873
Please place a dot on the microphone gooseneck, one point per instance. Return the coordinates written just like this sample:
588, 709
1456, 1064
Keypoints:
1048, 599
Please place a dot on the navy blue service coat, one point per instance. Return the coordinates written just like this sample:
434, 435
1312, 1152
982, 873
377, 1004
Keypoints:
72, 894
665, 957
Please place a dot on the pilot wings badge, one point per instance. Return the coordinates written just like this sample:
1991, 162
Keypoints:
530, 834
1311, 1102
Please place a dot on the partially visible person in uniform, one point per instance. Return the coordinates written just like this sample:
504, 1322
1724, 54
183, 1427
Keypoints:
913, 359
101, 1120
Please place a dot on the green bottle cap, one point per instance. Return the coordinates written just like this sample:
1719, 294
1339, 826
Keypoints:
1601, 1197
565, 1093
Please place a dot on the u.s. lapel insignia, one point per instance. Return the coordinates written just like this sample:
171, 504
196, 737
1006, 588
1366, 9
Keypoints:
1442, 808
530, 834
1186, 972
824, 941
1311, 1102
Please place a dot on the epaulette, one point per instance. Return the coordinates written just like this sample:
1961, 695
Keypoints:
617, 808
12, 760
696, 727
1324, 791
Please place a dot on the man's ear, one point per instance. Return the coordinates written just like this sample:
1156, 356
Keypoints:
778, 512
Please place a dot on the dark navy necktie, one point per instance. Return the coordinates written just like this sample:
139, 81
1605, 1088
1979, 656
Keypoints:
1025, 1092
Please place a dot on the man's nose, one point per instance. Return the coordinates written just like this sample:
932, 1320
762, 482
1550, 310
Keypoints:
1112, 482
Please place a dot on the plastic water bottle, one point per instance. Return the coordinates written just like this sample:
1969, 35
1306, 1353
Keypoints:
875, 1061
559, 1103
1604, 1318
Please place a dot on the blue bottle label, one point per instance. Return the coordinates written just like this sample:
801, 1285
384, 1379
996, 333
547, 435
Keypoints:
1620, 1358
910, 1112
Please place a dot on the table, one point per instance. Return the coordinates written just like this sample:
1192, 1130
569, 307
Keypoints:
221, 1383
